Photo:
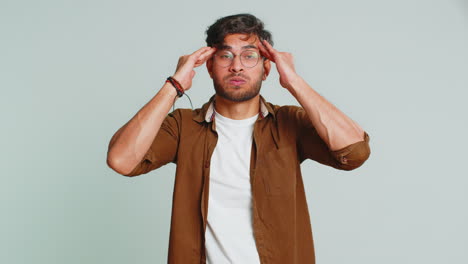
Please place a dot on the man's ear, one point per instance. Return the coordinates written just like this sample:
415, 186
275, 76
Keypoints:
209, 67
266, 68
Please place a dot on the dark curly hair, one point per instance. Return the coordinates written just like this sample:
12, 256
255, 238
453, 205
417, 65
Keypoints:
240, 23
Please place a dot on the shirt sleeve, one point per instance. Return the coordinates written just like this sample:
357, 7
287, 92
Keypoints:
311, 146
164, 147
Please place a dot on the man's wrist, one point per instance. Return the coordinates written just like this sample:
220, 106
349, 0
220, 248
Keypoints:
185, 85
295, 84
168, 89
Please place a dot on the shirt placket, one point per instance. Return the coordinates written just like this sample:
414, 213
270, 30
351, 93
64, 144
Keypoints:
258, 230
210, 144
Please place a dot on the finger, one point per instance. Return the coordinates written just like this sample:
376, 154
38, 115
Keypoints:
265, 53
208, 53
204, 57
200, 51
268, 46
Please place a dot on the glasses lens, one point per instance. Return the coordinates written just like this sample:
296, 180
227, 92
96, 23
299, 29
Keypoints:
249, 58
224, 58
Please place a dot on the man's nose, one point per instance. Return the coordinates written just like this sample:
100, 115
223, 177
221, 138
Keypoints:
236, 65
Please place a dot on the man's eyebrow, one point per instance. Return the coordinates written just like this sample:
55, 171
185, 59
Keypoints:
227, 47
250, 47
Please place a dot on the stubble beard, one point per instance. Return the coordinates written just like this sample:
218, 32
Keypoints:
232, 94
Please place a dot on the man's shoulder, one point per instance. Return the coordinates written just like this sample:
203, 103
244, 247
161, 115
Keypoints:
186, 111
187, 115
284, 111
197, 115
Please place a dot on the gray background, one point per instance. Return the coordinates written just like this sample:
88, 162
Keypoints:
73, 72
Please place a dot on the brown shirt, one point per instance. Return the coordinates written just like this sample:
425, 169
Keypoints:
283, 138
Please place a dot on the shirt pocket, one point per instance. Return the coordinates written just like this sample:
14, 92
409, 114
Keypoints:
278, 168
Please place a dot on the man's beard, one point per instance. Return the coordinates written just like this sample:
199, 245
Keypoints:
232, 94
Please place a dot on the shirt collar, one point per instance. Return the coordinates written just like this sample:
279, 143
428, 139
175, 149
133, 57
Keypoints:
206, 113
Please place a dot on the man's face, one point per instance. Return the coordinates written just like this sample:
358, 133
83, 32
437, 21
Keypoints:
237, 82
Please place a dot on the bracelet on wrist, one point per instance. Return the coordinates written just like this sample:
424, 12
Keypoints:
177, 85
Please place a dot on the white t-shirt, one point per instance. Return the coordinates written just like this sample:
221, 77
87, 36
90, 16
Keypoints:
229, 233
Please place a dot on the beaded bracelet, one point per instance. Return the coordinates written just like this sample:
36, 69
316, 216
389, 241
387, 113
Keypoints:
177, 86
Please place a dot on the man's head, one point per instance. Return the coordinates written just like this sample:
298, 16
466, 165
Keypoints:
236, 76
236, 24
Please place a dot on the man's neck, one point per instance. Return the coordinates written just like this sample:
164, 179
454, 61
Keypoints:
237, 110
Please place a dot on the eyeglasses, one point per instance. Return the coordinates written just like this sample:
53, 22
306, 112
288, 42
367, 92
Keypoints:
248, 58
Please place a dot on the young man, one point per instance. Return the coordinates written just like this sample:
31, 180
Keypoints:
238, 193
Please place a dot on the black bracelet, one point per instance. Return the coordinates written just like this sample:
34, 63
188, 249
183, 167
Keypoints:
177, 86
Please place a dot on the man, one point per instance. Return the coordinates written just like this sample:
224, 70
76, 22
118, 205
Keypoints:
238, 192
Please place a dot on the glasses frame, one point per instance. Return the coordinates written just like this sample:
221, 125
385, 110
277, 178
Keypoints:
234, 57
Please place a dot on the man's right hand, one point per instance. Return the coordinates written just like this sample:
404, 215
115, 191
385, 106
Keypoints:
185, 67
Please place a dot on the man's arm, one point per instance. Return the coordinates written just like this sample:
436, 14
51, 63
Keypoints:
332, 125
132, 141
335, 128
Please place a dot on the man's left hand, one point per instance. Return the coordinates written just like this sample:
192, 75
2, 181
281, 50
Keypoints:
284, 64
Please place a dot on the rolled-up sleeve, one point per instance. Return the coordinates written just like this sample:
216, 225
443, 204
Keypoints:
354, 155
311, 146
164, 147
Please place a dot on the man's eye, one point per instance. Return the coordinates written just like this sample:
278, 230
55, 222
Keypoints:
225, 56
251, 56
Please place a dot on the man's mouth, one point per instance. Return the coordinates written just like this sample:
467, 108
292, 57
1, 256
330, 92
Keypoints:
237, 81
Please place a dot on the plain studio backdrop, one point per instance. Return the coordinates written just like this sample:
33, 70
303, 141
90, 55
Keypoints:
73, 72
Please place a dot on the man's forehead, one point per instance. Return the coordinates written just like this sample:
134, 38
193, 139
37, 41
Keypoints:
240, 41
227, 47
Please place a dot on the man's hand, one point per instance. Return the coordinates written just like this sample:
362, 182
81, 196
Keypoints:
184, 72
284, 64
